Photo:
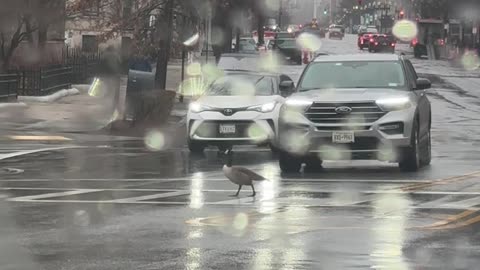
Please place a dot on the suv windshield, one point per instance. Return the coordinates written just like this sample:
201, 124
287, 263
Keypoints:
357, 74
241, 85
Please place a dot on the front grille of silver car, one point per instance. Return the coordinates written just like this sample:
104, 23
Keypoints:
362, 114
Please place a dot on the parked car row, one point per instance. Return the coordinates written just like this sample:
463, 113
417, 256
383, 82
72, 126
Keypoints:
340, 109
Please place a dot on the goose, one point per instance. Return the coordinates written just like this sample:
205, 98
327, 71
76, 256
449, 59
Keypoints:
239, 175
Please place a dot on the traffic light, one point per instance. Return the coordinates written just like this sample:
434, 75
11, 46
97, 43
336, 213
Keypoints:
325, 11
401, 14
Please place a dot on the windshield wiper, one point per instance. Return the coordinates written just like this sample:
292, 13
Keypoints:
261, 78
312, 88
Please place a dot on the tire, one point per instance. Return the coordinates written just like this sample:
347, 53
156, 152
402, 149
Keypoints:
289, 163
313, 164
196, 147
427, 151
273, 148
410, 156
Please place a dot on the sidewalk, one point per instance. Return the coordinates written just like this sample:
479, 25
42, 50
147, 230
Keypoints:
80, 113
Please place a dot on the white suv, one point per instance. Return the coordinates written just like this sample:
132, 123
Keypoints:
357, 107
239, 108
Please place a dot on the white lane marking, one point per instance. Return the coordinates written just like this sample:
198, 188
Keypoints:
245, 200
289, 203
299, 180
33, 198
152, 196
284, 189
27, 152
463, 203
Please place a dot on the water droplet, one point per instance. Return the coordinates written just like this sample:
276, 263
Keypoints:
240, 221
81, 218
405, 30
155, 140
309, 42
470, 61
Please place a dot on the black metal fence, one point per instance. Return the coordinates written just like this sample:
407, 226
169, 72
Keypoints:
84, 65
44, 81
77, 68
8, 87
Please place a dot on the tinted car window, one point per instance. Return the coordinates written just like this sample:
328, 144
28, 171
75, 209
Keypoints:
286, 43
358, 74
241, 85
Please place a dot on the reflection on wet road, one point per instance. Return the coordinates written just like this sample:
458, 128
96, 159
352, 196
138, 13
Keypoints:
73, 201
133, 204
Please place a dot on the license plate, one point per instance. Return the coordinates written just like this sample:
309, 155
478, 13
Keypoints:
343, 137
226, 129
384, 43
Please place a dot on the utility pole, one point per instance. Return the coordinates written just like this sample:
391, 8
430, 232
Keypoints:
315, 7
280, 14
164, 48
331, 11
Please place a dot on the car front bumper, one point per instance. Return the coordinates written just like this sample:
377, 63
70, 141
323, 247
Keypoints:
250, 127
303, 137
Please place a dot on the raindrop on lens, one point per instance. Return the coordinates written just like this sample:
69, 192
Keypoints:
155, 140
405, 30
309, 42
470, 61
240, 221
194, 69
81, 218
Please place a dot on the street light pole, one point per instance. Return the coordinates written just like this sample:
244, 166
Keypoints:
315, 7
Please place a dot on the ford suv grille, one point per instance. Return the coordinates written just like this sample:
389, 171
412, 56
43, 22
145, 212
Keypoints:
350, 113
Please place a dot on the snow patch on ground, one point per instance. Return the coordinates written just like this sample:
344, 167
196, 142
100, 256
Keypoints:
13, 105
50, 98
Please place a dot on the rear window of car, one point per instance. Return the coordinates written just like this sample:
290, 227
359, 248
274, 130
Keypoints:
355, 74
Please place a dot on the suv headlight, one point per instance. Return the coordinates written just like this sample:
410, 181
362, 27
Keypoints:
298, 103
197, 107
394, 104
267, 107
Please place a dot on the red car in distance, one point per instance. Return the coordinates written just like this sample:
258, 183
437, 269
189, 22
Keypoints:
364, 36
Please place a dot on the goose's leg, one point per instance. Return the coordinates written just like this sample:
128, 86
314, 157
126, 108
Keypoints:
253, 194
238, 191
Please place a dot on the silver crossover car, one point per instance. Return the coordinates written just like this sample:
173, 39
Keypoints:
356, 107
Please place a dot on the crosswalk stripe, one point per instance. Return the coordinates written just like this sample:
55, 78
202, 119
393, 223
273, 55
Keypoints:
52, 195
153, 196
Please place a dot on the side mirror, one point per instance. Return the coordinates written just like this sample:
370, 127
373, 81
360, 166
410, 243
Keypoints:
286, 87
423, 83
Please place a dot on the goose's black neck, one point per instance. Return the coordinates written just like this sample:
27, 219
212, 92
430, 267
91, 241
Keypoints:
229, 160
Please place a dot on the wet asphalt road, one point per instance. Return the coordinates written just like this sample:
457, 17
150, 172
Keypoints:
97, 202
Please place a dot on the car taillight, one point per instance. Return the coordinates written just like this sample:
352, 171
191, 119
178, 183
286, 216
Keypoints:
441, 42
414, 42
371, 40
370, 35
376, 43
361, 41
393, 44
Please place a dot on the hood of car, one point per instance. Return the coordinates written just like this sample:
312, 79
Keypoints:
236, 101
349, 94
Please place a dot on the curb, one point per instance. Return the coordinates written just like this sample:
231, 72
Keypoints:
51, 98
13, 105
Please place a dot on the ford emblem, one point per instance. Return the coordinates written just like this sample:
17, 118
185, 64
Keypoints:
343, 110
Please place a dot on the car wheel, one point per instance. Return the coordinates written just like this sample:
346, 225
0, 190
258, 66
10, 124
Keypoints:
313, 164
427, 150
410, 156
274, 149
289, 163
195, 147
